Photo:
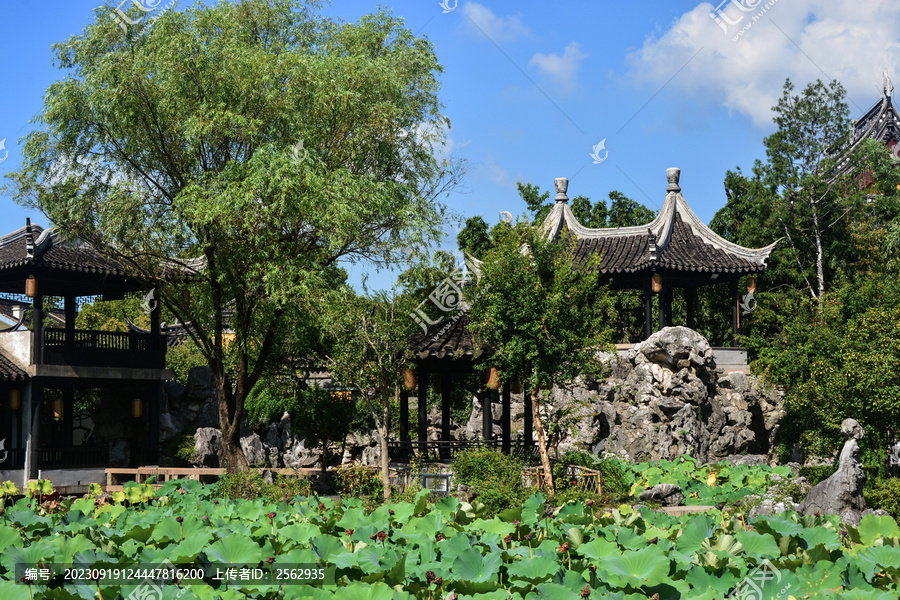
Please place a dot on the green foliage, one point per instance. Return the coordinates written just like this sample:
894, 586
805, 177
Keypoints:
107, 315
494, 477
355, 480
474, 238
182, 358
249, 485
817, 474
884, 494
185, 449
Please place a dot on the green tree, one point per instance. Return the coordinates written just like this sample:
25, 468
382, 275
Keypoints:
538, 315
474, 238
370, 350
264, 140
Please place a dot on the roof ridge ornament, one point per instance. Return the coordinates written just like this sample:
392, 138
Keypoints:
673, 174
29, 240
651, 244
888, 86
562, 185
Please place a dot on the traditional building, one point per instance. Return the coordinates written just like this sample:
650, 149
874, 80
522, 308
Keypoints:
881, 123
50, 371
675, 250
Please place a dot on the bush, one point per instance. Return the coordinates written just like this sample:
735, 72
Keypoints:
249, 485
817, 474
494, 477
614, 473
359, 481
884, 494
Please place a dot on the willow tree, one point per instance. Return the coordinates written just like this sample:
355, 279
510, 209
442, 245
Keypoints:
255, 136
539, 315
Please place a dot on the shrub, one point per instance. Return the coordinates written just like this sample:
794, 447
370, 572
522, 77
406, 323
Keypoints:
884, 494
359, 481
185, 449
250, 485
614, 473
817, 474
494, 477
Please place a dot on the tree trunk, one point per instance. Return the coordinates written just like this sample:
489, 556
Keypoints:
230, 409
542, 440
820, 260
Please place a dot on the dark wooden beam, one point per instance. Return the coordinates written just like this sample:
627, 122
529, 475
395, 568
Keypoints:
487, 424
153, 402
662, 303
528, 430
648, 310
691, 300
404, 422
38, 327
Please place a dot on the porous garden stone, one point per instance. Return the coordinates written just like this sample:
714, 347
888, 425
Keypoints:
842, 493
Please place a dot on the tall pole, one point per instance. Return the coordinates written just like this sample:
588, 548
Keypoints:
734, 312
423, 413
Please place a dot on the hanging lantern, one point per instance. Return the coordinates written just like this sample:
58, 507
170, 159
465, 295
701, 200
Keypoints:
59, 409
492, 378
751, 285
137, 408
15, 399
409, 379
656, 283
31, 287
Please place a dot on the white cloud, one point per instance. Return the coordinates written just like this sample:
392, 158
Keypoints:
561, 68
495, 173
482, 20
801, 39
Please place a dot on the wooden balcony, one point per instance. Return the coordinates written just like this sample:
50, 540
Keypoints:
87, 348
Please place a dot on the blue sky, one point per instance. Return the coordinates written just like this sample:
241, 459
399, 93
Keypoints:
531, 87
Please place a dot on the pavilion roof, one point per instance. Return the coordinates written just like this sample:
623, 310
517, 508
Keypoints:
10, 371
881, 122
449, 337
676, 240
35, 246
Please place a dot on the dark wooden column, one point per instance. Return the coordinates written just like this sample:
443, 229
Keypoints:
404, 424
32, 401
68, 420
487, 424
734, 312
528, 430
505, 418
445, 412
153, 402
648, 310
669, 293
423, 412
38, 328
691, 300
71, 309
662, 303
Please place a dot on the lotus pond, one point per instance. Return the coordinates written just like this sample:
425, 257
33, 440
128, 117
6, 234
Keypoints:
447, 549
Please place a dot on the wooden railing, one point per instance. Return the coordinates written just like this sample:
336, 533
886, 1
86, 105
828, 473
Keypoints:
74, 456
447, 449
164, 474
588, 480
85, 347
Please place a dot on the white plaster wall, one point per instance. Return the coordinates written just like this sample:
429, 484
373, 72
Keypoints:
17, 346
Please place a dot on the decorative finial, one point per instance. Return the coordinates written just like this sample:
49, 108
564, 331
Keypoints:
562, 184
29, 240
673, 175
888, 86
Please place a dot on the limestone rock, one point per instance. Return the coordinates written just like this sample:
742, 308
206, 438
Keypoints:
842, 493
253, 450
667, 494
208, 447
